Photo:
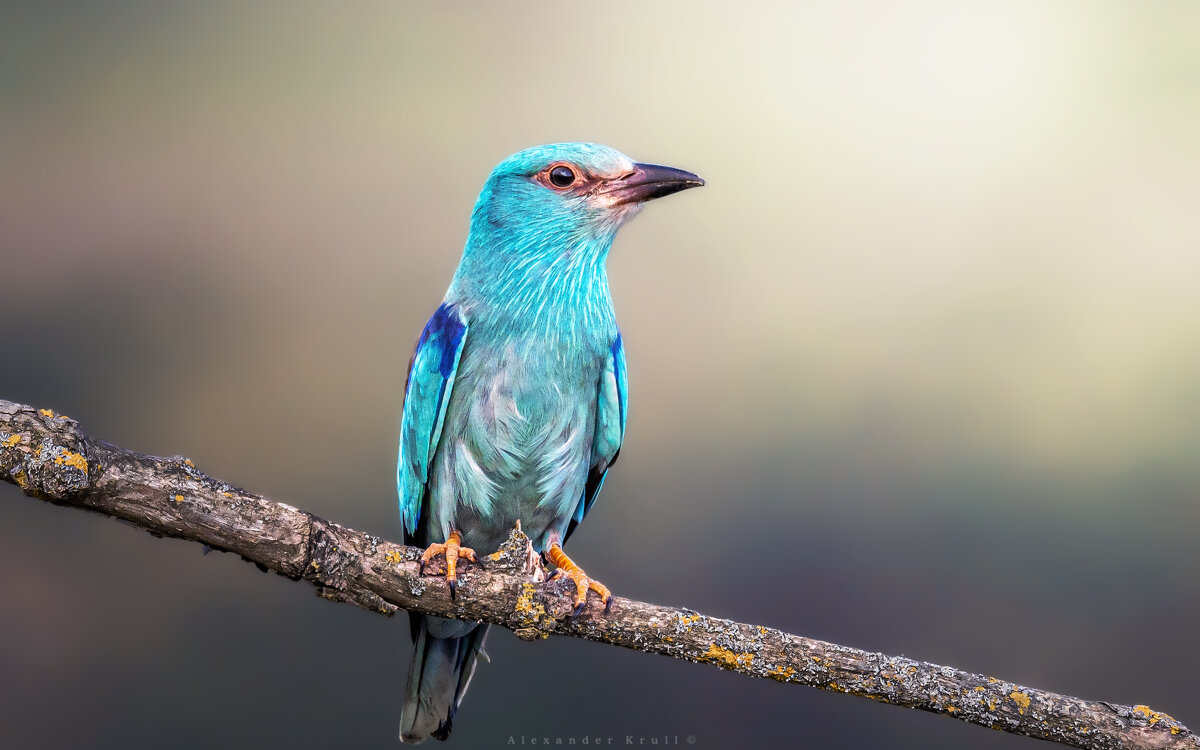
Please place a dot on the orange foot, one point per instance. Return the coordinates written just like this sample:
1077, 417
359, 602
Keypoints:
453, 550
567, 567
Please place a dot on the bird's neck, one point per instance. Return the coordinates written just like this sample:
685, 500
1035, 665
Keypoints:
546, 293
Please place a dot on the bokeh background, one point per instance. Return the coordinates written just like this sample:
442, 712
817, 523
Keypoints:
917, 371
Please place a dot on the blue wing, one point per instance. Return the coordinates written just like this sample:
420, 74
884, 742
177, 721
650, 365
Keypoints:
611, 408
427, 392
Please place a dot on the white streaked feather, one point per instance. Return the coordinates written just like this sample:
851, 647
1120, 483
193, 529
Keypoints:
474, 484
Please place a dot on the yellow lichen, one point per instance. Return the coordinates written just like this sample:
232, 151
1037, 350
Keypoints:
688, 619
1150, 713
723, 657
392, 556
494, 556
188, 461
951, 709
783, 674
525, 600
179, 498
1021, 699
533, 613
46, 413
12, 441
74, 460
314, 564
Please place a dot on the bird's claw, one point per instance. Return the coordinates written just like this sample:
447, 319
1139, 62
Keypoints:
568, 569
454, 551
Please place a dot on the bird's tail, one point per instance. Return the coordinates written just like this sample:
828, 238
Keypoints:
438, 678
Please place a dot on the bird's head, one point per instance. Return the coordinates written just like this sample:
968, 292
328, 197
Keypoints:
567, 196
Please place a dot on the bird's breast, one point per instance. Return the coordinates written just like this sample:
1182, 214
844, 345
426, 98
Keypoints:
518, 434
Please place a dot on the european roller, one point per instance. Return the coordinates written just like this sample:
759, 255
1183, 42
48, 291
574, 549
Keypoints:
515, 404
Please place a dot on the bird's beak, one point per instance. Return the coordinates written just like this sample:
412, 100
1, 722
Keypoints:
649, 181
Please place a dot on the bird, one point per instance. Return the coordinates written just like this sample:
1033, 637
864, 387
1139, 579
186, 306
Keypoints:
516, 396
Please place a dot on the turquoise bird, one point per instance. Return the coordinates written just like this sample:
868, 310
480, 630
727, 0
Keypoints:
515, 404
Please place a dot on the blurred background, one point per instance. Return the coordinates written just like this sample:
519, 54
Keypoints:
926, 348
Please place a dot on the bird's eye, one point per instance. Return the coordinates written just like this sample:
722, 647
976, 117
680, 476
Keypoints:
562, 176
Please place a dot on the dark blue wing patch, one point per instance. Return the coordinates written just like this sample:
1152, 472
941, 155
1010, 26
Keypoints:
427, 393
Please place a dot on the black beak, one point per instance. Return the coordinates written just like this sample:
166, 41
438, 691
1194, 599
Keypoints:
649, 181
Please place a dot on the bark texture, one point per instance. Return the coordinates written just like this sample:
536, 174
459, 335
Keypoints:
50, 458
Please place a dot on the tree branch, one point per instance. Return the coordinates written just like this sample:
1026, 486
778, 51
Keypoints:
49, 457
